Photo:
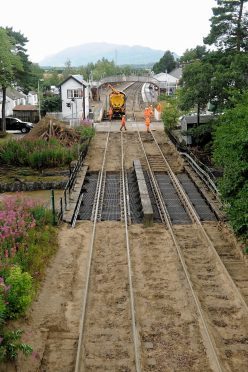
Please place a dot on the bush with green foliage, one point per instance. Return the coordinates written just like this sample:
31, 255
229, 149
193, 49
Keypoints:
27, 241
20, 293
86, 132
231, 152
202, 135
10, 344
171, 112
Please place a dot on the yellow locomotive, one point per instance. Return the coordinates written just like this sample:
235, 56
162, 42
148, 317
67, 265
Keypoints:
117, 101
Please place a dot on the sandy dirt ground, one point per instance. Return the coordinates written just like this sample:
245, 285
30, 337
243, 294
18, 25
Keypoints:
170, 333
168, 325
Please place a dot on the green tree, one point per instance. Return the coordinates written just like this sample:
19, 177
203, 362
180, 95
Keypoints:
229, 77
104, 68
170, 112
166, 63
193, 54
23, 76
231, 152
196, 86
229, 26
10, 62
68, 70
51, 103
33, 75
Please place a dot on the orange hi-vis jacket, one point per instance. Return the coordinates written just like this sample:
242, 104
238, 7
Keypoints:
159, 108
147, 112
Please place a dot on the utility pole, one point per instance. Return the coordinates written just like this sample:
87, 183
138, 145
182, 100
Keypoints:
39, 97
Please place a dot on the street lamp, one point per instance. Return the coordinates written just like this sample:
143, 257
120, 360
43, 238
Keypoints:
39, 97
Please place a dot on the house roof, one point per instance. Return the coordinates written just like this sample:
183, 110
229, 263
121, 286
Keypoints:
13, 94
25, 108
177, 72
164, 77
192, 119
78, 78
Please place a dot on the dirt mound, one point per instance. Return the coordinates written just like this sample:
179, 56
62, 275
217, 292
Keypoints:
52, 128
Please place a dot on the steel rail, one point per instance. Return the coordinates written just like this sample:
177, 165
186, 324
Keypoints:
211, 343
136, 342
196, 219
91, 248
135, 92
132, 304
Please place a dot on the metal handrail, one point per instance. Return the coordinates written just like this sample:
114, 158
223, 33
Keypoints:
201, 169
64, 200
201, 173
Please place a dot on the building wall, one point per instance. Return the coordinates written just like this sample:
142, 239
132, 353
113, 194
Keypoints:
184, 128
30, 116
76, 109
32, 99
9, 105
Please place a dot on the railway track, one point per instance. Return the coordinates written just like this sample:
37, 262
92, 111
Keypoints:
115, 333
108, 335
221, 307
177, 307
134, 104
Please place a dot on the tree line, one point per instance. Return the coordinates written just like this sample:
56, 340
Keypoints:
218, 78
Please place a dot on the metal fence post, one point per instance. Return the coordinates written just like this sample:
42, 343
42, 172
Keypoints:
53, 207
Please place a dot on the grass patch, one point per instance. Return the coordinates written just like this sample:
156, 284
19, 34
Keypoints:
35, 252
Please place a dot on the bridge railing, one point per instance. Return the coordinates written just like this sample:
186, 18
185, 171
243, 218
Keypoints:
131, 78
64, 200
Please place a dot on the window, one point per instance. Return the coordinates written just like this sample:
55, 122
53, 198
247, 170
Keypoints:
74, 93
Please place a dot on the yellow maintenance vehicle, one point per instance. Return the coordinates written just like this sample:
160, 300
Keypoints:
117, 101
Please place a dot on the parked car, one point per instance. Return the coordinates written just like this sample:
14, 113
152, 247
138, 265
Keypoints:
17, 124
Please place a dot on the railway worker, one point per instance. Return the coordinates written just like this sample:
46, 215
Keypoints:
147, 112
159, 108
123, 122
151, 110
148, 122
110, 113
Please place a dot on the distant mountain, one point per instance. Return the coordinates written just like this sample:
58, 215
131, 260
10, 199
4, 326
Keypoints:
81, 55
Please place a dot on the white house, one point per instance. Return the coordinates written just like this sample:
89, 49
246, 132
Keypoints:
168, 82
16, 98
75, 97
13, 98
32, 98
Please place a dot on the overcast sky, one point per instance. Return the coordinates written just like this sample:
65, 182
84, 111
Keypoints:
54, 25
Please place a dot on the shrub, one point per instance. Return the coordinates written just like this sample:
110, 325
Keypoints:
42, 215
20, 292
10, 345
27, 240
85, 132
34, 252
3, 290
15, 221
230, 152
